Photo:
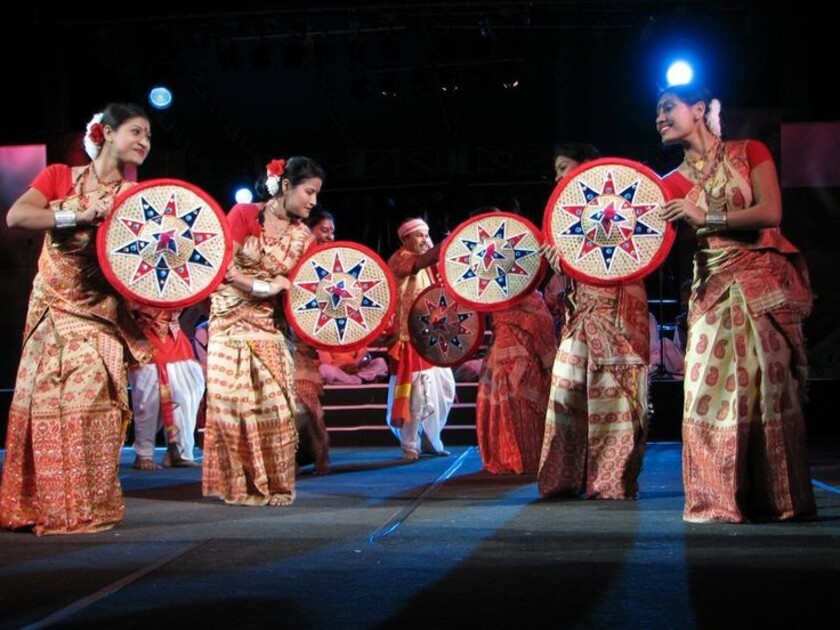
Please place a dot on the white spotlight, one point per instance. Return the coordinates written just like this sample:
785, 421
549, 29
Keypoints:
679, 73
244, 195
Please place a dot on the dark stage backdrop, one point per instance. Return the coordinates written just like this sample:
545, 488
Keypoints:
18, 253
18, 263
810, 176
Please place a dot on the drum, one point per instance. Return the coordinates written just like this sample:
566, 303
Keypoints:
604, 221
165, 244
490, 261
342, 296
443, 331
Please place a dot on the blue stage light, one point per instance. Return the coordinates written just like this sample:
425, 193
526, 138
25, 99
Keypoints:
160, 97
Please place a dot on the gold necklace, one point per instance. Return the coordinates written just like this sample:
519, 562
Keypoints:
113, 182
699, 163
698, 166
273, 203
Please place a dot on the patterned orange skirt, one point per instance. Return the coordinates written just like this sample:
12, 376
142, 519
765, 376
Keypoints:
67, 426
595, 425
250, 437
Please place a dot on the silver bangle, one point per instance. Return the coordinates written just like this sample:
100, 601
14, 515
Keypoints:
260, 289
716, 219
65, 219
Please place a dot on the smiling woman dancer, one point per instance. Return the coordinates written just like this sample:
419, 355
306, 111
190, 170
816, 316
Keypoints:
70, 408
744, 449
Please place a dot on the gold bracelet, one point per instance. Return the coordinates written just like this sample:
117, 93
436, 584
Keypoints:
65, 219
260, 289
716, 219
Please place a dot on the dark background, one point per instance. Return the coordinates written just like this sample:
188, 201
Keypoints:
405, 104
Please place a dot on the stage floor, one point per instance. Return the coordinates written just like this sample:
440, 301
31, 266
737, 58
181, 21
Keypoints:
435, 544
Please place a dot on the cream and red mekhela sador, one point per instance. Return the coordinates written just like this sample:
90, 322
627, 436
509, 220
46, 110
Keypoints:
596, 422
250, 436
744, 439
70, 411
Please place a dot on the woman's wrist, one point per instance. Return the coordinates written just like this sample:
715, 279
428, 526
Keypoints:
65, 219
716, 219
260, 288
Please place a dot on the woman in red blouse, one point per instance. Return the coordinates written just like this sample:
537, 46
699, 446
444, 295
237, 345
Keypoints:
744, 449
250, 436
70, 408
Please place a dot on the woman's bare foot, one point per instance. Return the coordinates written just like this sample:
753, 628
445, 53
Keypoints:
248, 500
144, 463
410, 455
281, 500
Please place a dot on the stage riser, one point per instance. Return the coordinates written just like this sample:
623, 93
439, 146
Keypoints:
357, 419
377, 393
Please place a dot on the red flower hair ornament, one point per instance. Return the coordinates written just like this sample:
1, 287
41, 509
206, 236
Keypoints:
274, 171
94, 136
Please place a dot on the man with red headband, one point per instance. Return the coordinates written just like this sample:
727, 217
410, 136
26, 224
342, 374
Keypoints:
420, 395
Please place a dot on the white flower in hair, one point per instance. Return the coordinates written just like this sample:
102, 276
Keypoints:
94, 136
713, 117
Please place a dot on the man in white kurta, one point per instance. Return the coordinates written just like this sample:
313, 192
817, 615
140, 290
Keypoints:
420, 394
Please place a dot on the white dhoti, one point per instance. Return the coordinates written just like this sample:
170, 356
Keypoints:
432, 396
186, 385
